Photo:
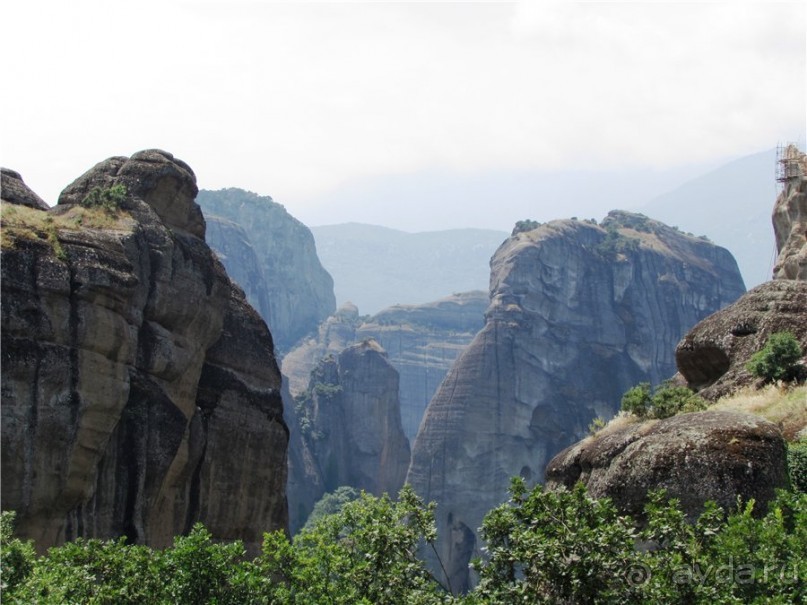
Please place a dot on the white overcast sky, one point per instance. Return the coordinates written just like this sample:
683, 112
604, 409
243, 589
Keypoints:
295, 100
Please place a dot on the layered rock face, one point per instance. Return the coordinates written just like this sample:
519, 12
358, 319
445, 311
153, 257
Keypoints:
712, 357
421, 341
15, 191
579, 313
136, 379
351, 422
696, 457
273, 257
790, 217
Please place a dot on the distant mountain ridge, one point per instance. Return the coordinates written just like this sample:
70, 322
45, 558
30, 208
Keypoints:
730, 205
378, 267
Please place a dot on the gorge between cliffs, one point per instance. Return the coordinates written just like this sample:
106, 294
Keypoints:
173, 356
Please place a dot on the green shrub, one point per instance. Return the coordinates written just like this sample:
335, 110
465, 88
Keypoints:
797, 466
525, 225
665, 401
778, 359
636, 400
109, 198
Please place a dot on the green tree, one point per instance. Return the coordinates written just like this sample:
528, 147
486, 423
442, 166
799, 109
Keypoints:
365, 553
332, 503
778, 359
797, 465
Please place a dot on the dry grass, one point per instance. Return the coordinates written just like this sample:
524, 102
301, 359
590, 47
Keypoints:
21, 222
785, 407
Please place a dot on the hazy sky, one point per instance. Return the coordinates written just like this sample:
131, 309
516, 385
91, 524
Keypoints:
299, 100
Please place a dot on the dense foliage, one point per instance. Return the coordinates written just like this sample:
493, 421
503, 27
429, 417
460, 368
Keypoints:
542, 547
778, 359
106, 198
797, 465
665, 401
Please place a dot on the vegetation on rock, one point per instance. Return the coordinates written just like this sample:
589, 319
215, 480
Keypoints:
778, 359
666, 400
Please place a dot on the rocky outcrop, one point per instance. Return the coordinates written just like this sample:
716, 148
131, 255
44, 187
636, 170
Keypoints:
136, 379
790, 217
712, 357
421, 341
14, 191
696, 457
273, 257
579, 313
350, 420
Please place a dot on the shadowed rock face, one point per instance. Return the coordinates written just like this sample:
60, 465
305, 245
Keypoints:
579, 313
695, 457
14, 191
790, 220
352, 423
273, 257
136, 379
713, 355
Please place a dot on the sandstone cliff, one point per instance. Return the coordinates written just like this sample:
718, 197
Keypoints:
273, 257
790, 217
350, 422
579, 313
136, 380
421, 341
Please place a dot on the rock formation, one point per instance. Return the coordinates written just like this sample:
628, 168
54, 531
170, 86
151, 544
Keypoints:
713, 355
421, 341
273, 257
350, 420
696, 457
15, 191
136, 379
790, 217
579, 313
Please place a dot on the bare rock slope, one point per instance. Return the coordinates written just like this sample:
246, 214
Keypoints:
579, 313
136, 379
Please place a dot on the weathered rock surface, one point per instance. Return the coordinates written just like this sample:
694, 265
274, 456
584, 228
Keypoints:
696, 457
136, 379
421, 341
713, 355
273, 257
579, 313
351, 422
14, 191
790, 218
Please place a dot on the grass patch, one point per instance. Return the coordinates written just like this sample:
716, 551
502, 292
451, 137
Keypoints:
786, 407
23, 223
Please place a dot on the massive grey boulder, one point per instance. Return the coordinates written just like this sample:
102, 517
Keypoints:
579, 313
273, 257
712, 357
14, 191
696, 457
136, 379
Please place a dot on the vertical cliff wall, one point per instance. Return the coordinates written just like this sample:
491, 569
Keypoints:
579, 313
273, 257
136, 379
790, 217
349, 421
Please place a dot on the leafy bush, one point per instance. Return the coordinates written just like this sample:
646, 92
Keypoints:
665, 401
637, 400
797, 466
109, 198
778, 359
332, 503
525, 225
